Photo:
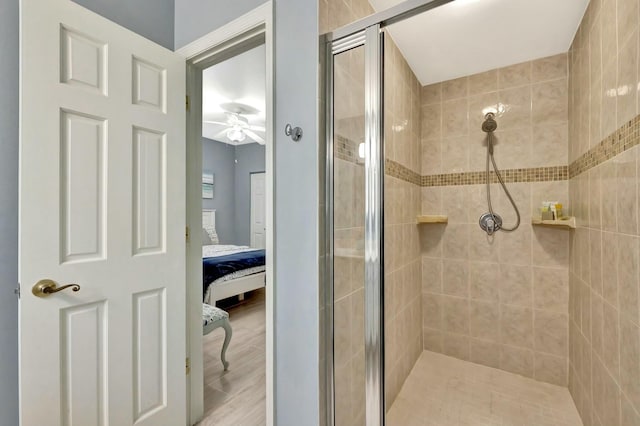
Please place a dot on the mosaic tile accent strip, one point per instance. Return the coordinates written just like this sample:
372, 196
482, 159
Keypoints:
626, 137
397, 170
345, 149
534, 174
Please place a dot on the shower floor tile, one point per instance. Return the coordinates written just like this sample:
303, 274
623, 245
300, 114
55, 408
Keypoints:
445, 391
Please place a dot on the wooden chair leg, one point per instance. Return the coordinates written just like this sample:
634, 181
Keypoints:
227, 338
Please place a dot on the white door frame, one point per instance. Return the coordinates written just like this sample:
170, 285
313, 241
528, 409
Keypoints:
199, 54
251, 222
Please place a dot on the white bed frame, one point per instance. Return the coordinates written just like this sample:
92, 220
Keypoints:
236, 286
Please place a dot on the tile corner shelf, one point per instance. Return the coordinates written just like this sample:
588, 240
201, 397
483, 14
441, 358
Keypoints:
568, 222
433, 218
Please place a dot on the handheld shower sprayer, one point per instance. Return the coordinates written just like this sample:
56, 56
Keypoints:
491, 222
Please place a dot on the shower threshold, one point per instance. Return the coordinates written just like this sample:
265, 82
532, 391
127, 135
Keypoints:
445, 391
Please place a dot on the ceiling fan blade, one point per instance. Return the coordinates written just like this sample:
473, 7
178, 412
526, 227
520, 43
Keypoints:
220, 134
254, 136
257, 128
215, 122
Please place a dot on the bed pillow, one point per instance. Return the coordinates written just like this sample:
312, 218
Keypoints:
213, 235
206, 239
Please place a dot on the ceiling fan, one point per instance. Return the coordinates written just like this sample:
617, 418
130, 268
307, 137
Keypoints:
237, 125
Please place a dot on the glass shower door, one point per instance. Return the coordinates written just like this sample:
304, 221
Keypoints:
348, 237
354, 207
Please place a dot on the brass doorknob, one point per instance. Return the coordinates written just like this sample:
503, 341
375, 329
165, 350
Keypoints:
43, 288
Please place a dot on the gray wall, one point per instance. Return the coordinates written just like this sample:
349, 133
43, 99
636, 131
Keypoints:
219, 159
232, 166
195, 18
151, 18
251, 159
297, 219
8, 212
297, 184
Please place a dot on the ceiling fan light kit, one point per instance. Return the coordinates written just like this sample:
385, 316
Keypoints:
237, 125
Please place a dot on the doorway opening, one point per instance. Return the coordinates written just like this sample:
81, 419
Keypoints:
230, 222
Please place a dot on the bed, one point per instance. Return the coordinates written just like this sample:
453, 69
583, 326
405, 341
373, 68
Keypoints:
228, 270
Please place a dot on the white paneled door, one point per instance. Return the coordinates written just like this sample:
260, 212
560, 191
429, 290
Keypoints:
102, 205
258, 207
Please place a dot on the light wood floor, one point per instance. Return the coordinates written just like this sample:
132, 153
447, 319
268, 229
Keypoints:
237, 396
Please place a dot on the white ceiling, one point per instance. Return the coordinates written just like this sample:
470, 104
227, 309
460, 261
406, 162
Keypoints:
466, 37
239, 79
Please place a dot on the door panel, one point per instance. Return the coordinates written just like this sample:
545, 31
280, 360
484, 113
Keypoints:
102, 178
258, 205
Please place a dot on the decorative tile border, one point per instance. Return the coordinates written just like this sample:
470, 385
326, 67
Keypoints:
626, 137
397, 170
534, 174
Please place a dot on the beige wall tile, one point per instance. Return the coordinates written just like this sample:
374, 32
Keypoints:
549, 102
455, 278
456, 345
455, 315
454, 154
608, 118
484, 320
550, 68
630, 361
455, 117
551, 289
627, 91
627, 192
517, 360
550, 369
431, 94
627, 19
514, 75
517, 102
432, 308
456, 242
432, 340
550, 247
431, 275
454, 89
431, 240
611, 340
609, 268
551, 332
628, 415
515, 248
484, 279
484, 352
629, 277
483, 82
548, 143
516, 326
516, 285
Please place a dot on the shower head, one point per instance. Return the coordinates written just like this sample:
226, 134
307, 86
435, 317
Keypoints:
489, 124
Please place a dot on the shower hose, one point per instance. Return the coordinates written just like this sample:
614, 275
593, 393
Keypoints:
495, 168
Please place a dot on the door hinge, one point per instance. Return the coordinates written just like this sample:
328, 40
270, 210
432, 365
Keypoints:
186, 234
188, 366
16, 291
187, 102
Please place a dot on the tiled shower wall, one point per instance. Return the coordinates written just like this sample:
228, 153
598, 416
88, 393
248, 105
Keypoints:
403, 309
500, 301
604, 348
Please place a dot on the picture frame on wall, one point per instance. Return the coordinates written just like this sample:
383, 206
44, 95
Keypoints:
207, 185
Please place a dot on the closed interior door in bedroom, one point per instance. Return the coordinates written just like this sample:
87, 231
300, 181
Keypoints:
258, 227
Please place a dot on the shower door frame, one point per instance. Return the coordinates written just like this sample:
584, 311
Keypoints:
371, 39
365, 32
